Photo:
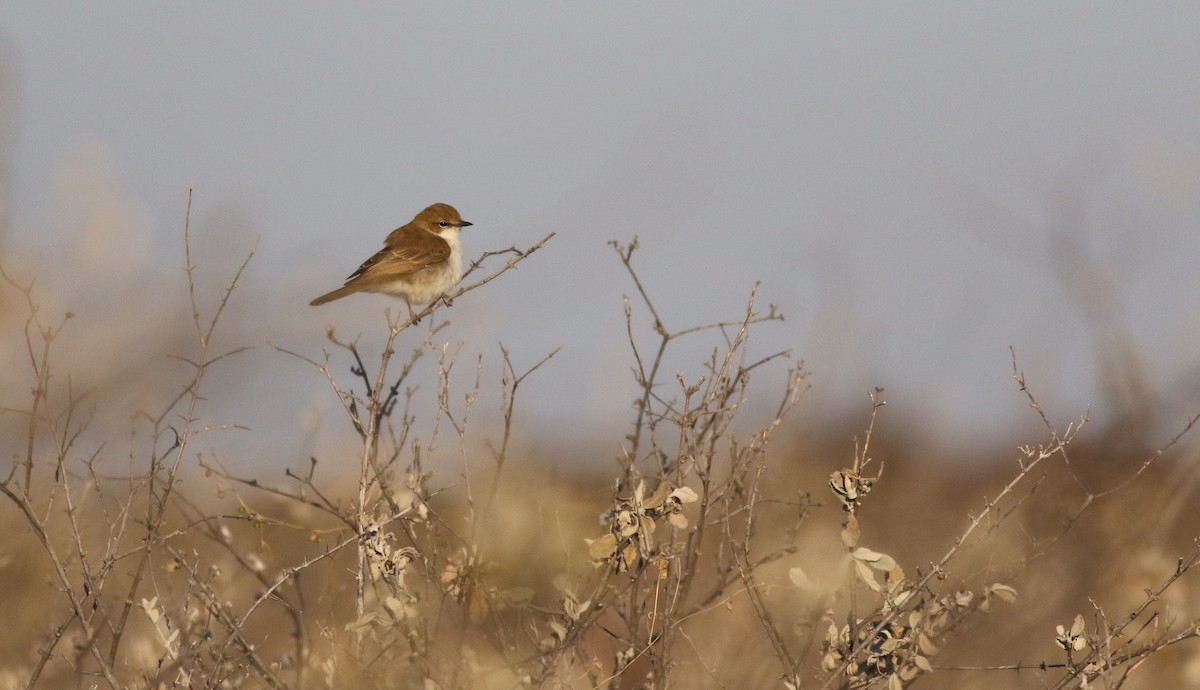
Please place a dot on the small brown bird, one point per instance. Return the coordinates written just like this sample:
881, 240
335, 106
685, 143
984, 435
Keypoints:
419, 261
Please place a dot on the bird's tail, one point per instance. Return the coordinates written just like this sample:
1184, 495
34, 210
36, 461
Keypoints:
336, 294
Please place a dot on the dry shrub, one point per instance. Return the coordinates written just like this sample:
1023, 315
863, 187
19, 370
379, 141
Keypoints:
727, 554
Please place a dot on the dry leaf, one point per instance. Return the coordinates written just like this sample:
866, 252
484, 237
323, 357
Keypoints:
1004, 593
685, 495
802, 580
865, 574
878, 561
657, 498
602, 548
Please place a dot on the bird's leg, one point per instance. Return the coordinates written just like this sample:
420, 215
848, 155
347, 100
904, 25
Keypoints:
447, 300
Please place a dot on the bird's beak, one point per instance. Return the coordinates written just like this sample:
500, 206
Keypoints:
464, 224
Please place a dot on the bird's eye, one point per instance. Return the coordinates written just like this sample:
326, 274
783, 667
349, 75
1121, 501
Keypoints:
442, 223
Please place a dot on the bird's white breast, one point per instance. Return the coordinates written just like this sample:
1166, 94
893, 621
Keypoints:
431, 283
451, 235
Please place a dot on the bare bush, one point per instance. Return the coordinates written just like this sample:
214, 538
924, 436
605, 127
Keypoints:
449, 562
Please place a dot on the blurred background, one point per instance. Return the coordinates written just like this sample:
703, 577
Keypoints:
918, 187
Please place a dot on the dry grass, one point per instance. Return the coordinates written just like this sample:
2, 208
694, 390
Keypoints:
729, 552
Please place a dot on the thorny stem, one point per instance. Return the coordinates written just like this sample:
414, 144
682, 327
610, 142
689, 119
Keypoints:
1034, 457
159, 485
862, 458
509, 409
379, 406
864, 640
157, 500
645, 422
701, 417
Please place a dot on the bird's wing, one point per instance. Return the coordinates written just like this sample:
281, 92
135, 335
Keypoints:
404, 255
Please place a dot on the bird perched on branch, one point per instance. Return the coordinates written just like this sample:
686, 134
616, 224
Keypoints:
419, 261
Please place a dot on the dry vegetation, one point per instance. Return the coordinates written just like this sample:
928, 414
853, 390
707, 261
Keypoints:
729, 552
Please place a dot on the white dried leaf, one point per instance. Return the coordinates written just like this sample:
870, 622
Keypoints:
829, 662
866, 555
868, 577
150, 606
802, 580
574, 609
169, 640
1003, 592
685, 494
1073, 639
879, 561
558, 630
1077, 625
831, 635
627, 523
678, 520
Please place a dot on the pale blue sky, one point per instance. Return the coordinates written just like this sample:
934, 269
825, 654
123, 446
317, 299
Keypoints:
896, 175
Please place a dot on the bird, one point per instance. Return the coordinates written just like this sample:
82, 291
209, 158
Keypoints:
419, 261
